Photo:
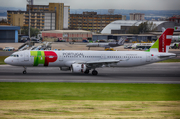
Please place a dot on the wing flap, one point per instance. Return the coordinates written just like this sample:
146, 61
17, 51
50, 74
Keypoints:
102, 61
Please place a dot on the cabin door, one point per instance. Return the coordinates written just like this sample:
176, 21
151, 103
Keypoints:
26, 56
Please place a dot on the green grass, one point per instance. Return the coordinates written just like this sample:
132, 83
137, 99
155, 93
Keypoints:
90, 91
2, 59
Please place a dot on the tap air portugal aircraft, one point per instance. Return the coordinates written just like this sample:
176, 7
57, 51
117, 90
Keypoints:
84, 61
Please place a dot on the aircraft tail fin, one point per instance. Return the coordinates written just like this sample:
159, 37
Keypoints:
121, 41
163, 43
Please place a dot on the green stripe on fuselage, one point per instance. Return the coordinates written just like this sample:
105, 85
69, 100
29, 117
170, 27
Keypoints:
39, 57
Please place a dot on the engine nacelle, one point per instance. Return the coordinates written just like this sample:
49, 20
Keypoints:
65, 68
77, 68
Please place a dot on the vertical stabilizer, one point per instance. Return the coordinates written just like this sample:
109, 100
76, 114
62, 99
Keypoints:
162, 44
121, 41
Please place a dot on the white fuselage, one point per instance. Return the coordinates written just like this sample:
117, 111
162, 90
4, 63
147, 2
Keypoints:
67, 58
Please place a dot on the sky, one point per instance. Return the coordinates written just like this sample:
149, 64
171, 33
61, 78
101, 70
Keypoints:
102, 4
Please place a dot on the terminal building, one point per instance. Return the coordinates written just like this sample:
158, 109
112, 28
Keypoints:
54, 16
122, 26
119, 28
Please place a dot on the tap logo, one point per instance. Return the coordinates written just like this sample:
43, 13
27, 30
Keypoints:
43, 57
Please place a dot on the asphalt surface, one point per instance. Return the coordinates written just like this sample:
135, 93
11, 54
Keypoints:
152, 73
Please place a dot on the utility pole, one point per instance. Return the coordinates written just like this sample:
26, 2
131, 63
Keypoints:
29, 2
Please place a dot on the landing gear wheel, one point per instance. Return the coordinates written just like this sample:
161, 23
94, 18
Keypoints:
94, 72
86, 72
24, 72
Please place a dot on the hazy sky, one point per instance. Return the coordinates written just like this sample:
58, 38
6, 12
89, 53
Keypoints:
103, 4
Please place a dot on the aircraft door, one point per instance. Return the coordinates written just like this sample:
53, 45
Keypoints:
148, 57
26, 56
60, 56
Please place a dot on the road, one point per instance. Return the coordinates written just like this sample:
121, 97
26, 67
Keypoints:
152, 73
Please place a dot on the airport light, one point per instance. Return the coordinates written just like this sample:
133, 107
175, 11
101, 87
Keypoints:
29, 2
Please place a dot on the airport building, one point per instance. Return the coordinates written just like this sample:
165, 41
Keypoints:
66, 35
54, 16
122, 26
91, 21
130, 38
9, 34
175, 18
136, 16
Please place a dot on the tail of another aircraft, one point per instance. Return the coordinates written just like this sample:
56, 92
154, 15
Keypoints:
121, 41
162, 44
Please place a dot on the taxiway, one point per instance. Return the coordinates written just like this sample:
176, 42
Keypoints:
152, 73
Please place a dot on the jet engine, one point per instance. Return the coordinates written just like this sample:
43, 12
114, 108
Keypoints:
77, 68
64, 68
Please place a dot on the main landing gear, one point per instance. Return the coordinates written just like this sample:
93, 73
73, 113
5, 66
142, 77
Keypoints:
87, 71
94, 72
24, 72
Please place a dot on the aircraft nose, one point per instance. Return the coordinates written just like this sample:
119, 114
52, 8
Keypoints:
7, 60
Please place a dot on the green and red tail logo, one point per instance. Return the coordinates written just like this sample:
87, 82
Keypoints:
162, 44
43, 57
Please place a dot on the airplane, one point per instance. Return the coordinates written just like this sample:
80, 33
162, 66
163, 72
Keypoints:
107, 45
84, 61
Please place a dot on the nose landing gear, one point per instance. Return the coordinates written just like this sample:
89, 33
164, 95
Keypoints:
24, 72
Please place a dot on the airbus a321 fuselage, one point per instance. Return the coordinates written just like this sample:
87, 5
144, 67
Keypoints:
84, 61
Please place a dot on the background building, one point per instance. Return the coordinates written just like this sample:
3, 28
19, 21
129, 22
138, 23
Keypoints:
136, 16
175, 18
122, 26
67, 35
91, 21
37, 19
54, 16
9, 34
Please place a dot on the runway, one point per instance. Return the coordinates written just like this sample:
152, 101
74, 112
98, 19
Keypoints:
162, 73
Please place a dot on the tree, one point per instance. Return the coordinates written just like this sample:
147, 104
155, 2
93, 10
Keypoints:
3, 20
33, 31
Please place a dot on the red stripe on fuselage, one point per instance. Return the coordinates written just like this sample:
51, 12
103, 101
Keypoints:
50, 56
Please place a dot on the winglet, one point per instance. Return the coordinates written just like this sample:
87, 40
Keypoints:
162, 44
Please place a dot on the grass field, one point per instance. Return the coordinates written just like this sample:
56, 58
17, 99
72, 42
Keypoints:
2, 59
90, 91
89, 100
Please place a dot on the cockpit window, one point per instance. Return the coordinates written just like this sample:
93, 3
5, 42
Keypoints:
14, 55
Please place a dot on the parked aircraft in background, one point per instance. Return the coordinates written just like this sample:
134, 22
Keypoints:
84, 61
107, 45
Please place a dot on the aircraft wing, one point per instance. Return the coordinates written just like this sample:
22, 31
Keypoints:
98, 63
102, 61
